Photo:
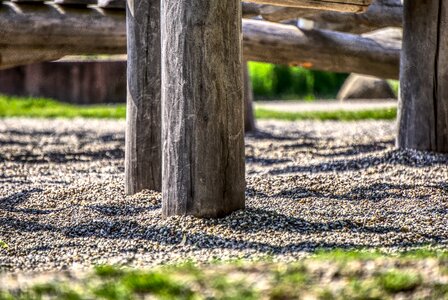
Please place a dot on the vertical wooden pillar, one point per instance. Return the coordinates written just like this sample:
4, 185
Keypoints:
423, 109
143, 165
202, 108
249, 119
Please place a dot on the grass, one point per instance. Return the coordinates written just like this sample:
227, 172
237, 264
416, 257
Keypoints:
363, 255
3, 245
46, 108
320, 277
395, 281
338, 115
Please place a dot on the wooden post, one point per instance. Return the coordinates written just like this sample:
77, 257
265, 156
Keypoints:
249, 119
143, 126
202, 108
423, 116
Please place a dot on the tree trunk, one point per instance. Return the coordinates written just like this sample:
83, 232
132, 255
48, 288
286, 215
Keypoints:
249, 119
202, 108
143, 166
423, 118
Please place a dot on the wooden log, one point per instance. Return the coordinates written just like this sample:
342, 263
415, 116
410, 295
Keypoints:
70, 31
60, 30
332, 5
27, 1
282, 13
249, 118
202, 108
112, 4
143, 158
380, 14
75, 2
321, 49
10, 58
250, 10
423, 116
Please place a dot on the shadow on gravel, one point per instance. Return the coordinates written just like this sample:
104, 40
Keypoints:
66, 157
337, 151
250, 221
250, 159
115, 222
117, 210
375, 192
11, 202
393, 157
290, 136
12, 142
75, 153
35, 133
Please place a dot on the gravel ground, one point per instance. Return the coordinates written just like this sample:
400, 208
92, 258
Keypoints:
309, 185
326, 105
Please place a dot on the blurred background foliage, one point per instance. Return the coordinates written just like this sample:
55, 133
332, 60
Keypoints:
280, 82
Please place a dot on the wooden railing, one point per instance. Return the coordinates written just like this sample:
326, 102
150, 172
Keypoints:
41, 31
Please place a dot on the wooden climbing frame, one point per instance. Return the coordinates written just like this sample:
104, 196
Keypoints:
185, 129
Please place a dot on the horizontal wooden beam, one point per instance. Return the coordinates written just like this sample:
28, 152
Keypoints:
18, 57
380, 14
66, 30
28, 36
331, 5
321, 49
355, 6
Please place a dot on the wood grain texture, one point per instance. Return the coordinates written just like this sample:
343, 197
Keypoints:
75, 2
143, 158
112, 4
250, 10
423, 117
333, 5
49, 30
27, 1
70, 31
202, 108
321, 49
249, 118
10, 58
380, 14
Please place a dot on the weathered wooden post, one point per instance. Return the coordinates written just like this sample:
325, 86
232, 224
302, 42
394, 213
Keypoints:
143, 166
202, 108
423, 116
249, 119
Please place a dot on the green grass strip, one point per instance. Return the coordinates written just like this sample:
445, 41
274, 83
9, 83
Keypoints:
332, 274
337, 115
46, 108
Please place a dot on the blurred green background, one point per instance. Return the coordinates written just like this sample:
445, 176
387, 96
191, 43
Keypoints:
284, 83
279, 82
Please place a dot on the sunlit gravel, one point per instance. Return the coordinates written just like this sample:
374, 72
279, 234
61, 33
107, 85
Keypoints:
310, 185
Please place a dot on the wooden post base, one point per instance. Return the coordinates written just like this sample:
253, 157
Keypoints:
423, 113
202, 108
143, 166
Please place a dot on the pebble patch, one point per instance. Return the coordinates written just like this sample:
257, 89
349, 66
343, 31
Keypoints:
310, 185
